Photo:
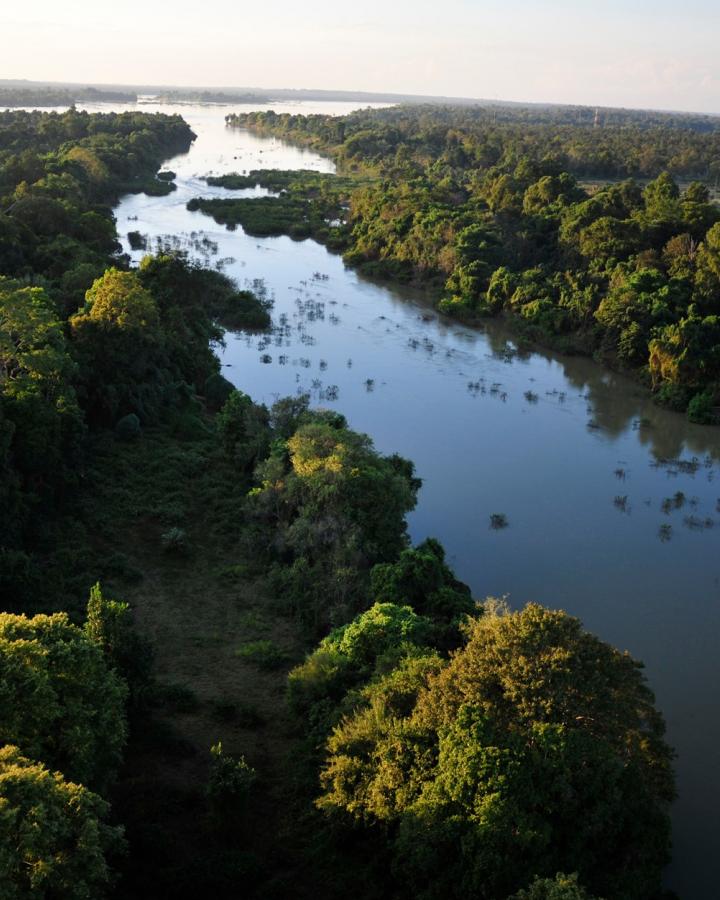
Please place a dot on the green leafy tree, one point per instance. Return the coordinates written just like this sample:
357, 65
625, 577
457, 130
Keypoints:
536, 748
350, 655
54, 841
36, 392
422, 579
110, 627
707, 279
59, 701
243, 430
562, 887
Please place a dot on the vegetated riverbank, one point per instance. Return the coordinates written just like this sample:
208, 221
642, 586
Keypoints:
496, 214
127, 457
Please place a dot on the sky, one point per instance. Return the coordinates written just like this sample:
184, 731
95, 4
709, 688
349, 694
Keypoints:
637, 53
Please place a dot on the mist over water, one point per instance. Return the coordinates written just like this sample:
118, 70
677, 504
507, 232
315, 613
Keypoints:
612, 505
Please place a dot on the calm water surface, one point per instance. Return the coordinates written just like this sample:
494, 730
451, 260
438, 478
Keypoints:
613, 505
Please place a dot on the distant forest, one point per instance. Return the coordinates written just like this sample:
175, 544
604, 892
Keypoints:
60, 96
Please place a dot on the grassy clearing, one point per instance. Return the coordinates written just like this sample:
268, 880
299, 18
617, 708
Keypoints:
197, 607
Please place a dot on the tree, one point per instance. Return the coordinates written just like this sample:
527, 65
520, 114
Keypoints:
349, 656
36, 374
120, 348
421, 578
536, 748
243, 429
707, 279
562, 887
229, 787
661, 198
54, 841
59, 701
118, 300
110, 627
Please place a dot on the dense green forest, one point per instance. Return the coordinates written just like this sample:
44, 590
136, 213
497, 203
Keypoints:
595, 233
37, 96
223, 667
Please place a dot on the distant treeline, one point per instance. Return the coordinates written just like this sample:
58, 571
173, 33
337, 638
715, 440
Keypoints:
180, 96
588, 143
48, 96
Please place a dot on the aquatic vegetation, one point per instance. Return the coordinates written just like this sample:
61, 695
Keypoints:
498, 521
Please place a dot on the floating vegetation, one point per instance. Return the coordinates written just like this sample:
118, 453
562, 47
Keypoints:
697, 523
621, 502
369, 384
498, 521
266, 358
620, 474
665, 533
137, 240
677, 501
323, 365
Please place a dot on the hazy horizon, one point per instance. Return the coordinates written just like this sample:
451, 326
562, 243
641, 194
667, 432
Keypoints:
638, 54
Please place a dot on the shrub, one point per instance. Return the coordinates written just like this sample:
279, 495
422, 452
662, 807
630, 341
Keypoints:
229, 785
175, 541
700, 409
264, 654
128, 428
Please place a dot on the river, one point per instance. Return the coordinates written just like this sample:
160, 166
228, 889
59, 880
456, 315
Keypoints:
612, 505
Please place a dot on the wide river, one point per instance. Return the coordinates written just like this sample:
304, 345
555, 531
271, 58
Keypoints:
610, 502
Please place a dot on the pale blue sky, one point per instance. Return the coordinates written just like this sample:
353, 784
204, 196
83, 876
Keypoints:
657, 54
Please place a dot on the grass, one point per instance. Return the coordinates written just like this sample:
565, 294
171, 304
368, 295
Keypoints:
196, 611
